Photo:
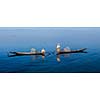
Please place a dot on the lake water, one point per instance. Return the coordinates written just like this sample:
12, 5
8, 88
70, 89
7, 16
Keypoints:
23, 39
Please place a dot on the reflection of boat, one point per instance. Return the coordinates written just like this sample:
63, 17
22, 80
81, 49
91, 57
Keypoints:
72, 51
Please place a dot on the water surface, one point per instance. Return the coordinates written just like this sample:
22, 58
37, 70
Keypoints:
23, 39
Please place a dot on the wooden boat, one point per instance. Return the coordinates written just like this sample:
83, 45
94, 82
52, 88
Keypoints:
27, 53
72, 51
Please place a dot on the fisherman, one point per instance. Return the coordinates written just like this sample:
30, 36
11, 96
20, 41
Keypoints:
33, 50
43, 51
67, 49
58, 49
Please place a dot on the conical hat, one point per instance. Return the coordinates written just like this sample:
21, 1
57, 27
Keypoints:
58, 45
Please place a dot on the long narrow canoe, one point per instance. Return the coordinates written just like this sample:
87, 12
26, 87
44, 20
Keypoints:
72, 51
27, 53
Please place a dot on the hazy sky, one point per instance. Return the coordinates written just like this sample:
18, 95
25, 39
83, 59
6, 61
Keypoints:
49, 37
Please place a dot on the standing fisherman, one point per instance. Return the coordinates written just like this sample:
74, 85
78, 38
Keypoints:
58, 49
43, 51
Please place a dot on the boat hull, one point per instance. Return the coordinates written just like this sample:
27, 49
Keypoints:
72, 51
27, 53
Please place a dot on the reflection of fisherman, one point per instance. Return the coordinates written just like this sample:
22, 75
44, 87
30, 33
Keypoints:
58, 58
58, 48
33, 50
43, 51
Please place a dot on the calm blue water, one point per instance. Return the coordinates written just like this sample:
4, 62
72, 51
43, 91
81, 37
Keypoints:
23, 39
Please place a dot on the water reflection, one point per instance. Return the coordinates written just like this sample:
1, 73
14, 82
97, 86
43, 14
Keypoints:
58, 58
43, 57
36, 57
64, 55
33, 57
